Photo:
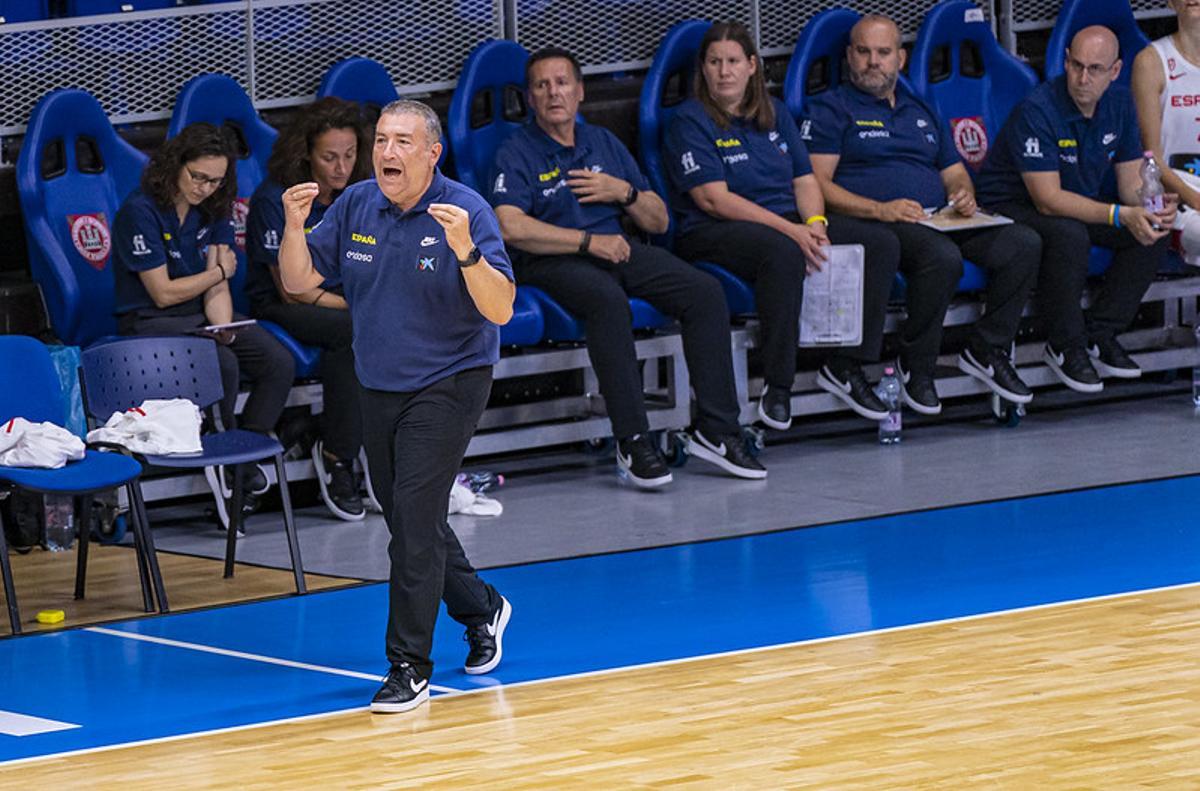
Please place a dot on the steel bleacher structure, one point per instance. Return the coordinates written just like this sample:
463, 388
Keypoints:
273, 53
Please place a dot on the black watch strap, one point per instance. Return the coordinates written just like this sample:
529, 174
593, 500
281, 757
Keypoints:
631, 197
472, 258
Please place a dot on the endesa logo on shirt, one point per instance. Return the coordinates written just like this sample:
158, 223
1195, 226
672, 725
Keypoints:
872, 129
359, 255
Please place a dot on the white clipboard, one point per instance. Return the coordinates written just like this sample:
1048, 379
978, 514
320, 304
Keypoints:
832, 311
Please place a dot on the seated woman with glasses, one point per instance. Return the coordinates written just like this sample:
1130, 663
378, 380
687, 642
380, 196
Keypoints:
327, 144
172, 260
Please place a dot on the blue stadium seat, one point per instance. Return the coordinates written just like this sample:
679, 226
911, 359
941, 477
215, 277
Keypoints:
367, 82
527, 327
668, 83
359, 80
1078, 14
973, 96
488, 104
94, 7
14, 11
73, 172
492, 80
816, 62
220, 101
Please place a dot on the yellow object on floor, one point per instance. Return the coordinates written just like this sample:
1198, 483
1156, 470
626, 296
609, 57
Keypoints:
51, 616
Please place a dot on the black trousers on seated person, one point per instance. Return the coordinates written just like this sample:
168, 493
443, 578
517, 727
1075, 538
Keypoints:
774, 264
415, 443
254, 357
598, 293
331, 330
1066, 245
932, 263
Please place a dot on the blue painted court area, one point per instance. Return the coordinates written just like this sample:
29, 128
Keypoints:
160, 677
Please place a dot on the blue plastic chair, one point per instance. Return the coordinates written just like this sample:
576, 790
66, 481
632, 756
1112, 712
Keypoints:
69, 205
93, 7
121, 374
36, 396
493, 79
667, 84
1075, 15
816, 62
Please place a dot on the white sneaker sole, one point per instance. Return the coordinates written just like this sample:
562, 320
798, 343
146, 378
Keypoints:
770, 422
505, 614
398, 708
1104, 369
642, 483
969, 368
695, 448
840, 394
1077, 386
323, 479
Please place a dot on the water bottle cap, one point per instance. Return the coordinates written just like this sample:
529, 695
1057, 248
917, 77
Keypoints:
1148, 154
889, 371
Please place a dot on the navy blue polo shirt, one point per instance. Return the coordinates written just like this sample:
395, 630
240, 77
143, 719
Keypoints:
264, 229
414, 322
1046, 132
530, 172
886, 153
147, 236
757, 164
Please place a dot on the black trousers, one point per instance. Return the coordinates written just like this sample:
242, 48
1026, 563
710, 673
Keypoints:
1063, 275
931, 262
331, 330
415, 443
254, 357
598, 292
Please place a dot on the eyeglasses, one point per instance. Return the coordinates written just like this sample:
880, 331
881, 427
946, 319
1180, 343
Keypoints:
202, 180
1094, 70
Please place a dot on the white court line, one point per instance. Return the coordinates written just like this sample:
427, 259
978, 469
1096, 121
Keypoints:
14, 724
592, 673
270, 660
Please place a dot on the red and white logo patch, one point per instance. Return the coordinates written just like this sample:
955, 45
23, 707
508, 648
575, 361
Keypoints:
89, 234
971, 140
241, 210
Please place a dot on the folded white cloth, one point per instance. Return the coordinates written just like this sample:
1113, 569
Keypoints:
465, 501
25, 444
159, 426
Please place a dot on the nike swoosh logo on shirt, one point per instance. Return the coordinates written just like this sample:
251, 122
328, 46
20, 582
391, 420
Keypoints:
1177, 76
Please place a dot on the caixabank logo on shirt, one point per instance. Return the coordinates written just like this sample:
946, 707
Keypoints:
90, 235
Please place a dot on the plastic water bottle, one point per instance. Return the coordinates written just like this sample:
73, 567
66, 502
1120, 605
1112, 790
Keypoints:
888, 391
60, 522
1151, 192
480, 482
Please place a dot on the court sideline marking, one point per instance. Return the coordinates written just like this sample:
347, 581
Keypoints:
270, 660
570, 676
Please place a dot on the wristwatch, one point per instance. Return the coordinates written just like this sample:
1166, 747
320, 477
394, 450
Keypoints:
630, 197
472, 258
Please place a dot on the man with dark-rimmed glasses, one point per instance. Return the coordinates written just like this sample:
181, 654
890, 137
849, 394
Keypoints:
1049, 169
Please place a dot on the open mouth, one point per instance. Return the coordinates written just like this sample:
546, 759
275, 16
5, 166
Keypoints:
392, 172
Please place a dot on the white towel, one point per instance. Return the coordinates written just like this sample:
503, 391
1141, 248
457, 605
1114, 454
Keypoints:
465, 501
159, 426
45, 445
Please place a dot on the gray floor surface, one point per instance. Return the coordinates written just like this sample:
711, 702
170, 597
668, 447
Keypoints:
566, 503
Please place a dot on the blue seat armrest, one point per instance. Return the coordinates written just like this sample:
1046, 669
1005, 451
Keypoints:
308, 358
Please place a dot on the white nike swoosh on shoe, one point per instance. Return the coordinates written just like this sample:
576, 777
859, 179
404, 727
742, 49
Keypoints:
416, 688
714, 448
843, 386
624, 461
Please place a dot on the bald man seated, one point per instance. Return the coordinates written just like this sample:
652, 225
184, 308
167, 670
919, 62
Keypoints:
1050, 166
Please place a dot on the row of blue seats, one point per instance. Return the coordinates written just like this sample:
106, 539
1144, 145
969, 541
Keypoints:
60, 191
13, 11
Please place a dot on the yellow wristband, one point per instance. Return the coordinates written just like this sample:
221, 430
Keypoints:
817, 218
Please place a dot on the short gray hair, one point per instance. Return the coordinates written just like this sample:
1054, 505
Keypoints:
433, 127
